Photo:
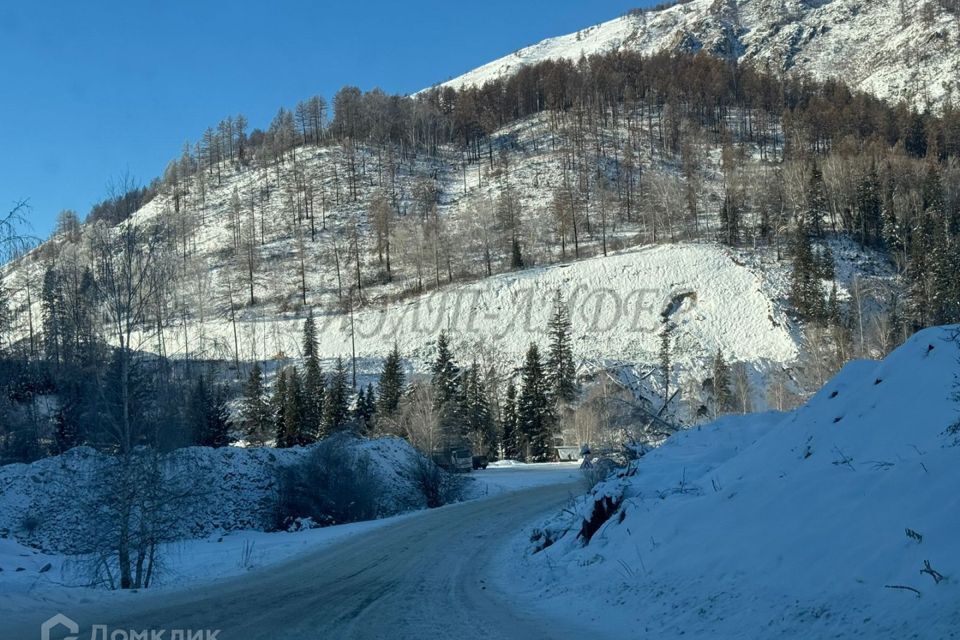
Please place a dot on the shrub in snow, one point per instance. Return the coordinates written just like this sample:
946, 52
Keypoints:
437, 486
334, 484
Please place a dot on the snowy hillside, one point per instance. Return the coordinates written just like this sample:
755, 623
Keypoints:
732, 300
841, 515
618, 304
895, 50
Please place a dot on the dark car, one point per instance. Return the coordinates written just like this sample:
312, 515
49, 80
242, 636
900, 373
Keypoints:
480, 462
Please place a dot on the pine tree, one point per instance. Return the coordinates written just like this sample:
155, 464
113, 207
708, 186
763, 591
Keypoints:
391, 384
561, 369
52, 308
806, 294
477, 418
256, 410
723, 401
294, 410
277, 410
516, 256
729, 222
370, 410
446, 389
445, 373
337, 405
313, 382
511, 438
868, 221
363, 409
208, 415
817, 208
534, 411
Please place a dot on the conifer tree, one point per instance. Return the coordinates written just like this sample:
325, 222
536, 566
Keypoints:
477, 418
256, 410
723, 400
511, 436
391, 383
729, 222
817, 208
208, 415
52, 307
561, 369
294, 410
534, 411
313, 382
278, 410
446, 390
445, 373
337, 405
364, 408
869, 223
371, 404
806, 294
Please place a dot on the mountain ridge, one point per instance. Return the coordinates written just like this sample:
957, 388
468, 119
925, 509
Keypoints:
885, 48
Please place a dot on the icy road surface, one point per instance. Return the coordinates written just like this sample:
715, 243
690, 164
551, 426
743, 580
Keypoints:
425, 576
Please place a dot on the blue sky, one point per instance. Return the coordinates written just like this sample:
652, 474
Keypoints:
93, 89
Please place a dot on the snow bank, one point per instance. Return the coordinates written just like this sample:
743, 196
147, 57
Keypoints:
41, 504
810, 524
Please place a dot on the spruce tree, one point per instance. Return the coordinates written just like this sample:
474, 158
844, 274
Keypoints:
868, 222
806, 294
445, 373
516, 256
218, 418
729, 222
337, 405
256, 410
364, 408
446, 389
534, 411
477, 418
512, 445
817, 208
370, 410
561, 369
313, 382
277, 410
208, 415
51, 305
722, 389
390, 386
294, 411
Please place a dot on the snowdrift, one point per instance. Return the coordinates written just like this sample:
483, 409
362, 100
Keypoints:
44, 505
843, 515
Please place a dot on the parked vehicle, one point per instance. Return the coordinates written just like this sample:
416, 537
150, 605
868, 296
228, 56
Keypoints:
454, 459
480, 462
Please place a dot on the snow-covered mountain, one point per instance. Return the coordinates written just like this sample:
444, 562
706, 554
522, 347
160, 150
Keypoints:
893, 49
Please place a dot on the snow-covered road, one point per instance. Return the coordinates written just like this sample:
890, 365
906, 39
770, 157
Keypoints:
420, 577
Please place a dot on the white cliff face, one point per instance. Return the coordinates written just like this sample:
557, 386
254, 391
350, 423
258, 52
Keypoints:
894, 49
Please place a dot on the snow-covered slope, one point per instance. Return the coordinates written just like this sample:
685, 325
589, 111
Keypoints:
617, 307
805, 525
46, 504
893, 49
